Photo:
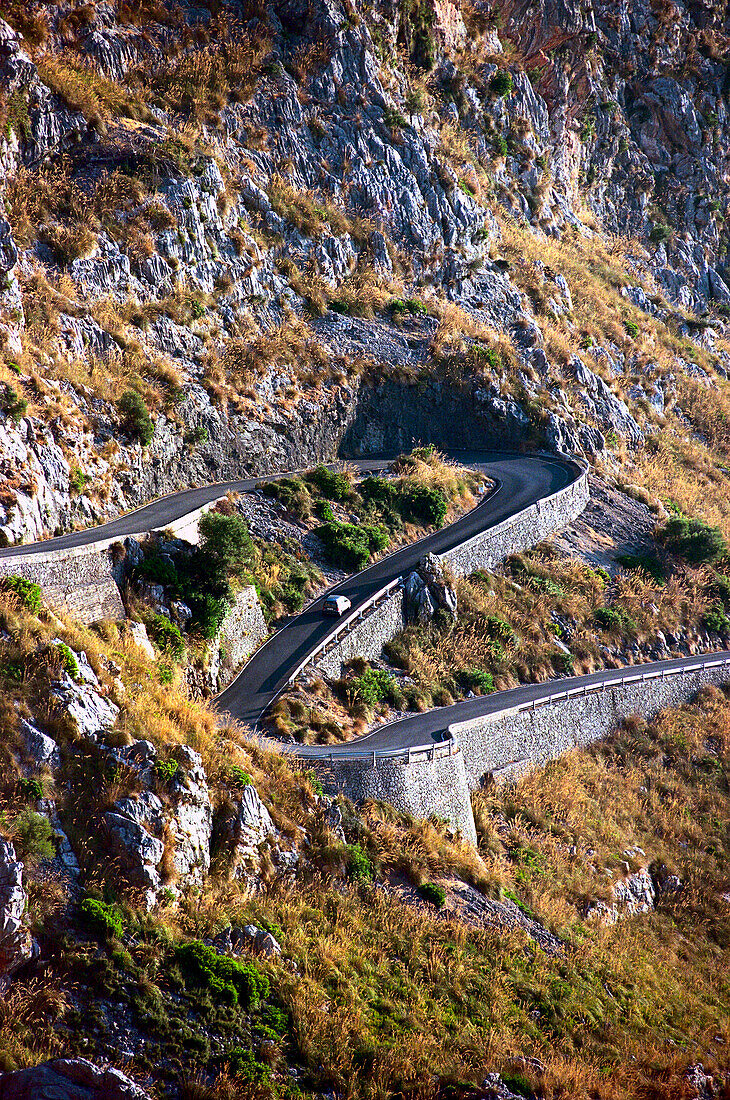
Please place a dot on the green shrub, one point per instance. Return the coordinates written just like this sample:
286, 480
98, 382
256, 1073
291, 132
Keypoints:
33, 837
500, 631
158, 570
332, 484
660, 233
291, 492
378, 490
377, 537
346, 544
648, 563
11, 403
246, 1069
409, 305
30, 594
30, 788
225, 539
716, 620
78, 480
323, 511
167, 637
104, 919
720, 586
614, 618
237, 776
692, 539
376, 686
233, 981
314, 782
359, 864
167, 770
208, 613
475, 679
135, 417
68, 660
500, 146
393, 119
501, 83
426, 504
429, 891
632, 329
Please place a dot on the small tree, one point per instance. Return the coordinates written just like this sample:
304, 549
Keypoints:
135, 417
225, 539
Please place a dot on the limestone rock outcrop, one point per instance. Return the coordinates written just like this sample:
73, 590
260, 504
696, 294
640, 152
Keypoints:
16, 943
69, 1079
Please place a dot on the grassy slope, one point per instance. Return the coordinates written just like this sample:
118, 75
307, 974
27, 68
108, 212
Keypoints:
388, 999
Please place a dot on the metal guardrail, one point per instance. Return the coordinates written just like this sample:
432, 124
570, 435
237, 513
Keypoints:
345, 627
412, 755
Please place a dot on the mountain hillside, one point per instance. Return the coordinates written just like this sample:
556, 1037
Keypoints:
241, 238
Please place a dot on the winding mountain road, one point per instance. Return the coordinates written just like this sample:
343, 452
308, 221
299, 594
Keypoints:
519, 481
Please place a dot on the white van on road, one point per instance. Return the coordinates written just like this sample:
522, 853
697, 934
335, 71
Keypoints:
336, 606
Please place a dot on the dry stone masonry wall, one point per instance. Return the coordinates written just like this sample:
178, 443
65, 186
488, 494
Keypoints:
81, 581
431, 785
506, 744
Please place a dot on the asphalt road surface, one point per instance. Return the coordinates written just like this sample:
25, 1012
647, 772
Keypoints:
431, 727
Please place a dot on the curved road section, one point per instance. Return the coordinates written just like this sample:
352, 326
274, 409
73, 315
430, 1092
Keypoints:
519, 482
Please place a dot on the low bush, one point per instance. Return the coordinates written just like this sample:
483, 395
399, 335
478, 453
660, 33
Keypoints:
226, 540
426, 504
614, 618
136, 419
106, 920
476, 679
30, 788
501, 83
692, 539
332, 484
429, 891
292, 493
350, 545
33, 837
376, 686
28, 592
68, 660
208, 613
246, 1069
716, 620
648, 563
410, 500
237, 777
359, 864
167, 637
235, 982
11, 403
408, 305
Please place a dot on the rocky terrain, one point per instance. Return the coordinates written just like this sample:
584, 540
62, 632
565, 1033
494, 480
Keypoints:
240, 238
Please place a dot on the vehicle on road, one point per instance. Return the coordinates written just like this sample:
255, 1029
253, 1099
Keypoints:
336, 606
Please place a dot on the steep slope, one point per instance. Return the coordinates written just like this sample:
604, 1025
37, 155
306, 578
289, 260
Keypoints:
234, 234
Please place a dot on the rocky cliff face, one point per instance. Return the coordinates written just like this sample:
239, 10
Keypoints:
290, 227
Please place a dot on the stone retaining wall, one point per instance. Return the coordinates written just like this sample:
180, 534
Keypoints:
82, 581
243, 629
520, 532
507, 744
423, 788
366, 639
